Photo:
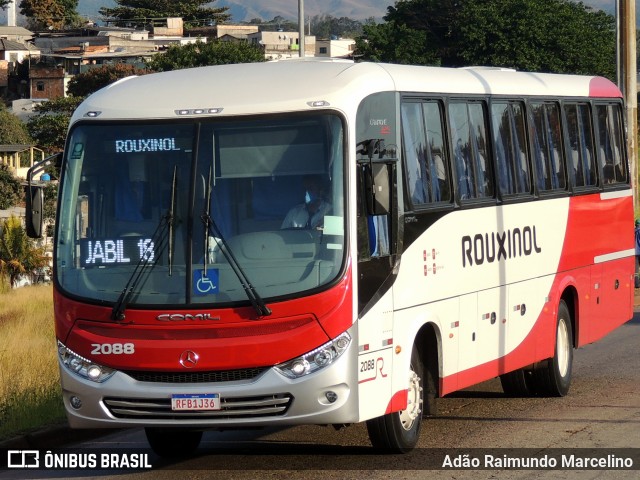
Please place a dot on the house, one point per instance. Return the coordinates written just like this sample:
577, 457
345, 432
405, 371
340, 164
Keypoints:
158, 27
47, 81
63, 57
14, 156
335, 47
12, 53
17, 34
279, 45
226, 32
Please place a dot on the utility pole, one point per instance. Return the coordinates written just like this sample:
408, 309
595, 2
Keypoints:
301, 26
629, 84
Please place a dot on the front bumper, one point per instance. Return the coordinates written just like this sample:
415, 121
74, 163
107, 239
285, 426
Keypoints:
328, 396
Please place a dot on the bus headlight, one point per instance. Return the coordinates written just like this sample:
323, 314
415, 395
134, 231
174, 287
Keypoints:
316, 359
82, 367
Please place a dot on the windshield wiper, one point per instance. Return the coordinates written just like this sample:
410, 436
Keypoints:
170, 216
207, 214
211, 227
166, 223
117, 313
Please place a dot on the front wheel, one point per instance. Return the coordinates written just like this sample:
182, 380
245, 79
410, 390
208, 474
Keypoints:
399, 431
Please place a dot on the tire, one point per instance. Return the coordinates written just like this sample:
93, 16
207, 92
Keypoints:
552, 377
518, 383
398, 432
171, 442
430, 380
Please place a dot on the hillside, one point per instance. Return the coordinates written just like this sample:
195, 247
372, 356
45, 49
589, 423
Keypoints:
268, 9
245, 10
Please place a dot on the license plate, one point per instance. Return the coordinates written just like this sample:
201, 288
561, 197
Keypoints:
196, 401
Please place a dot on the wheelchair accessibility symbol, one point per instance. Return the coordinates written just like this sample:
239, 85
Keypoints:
205, 284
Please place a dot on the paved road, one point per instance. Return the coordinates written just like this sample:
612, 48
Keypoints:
602, 411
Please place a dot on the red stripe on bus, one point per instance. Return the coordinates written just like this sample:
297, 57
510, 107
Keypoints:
601, 87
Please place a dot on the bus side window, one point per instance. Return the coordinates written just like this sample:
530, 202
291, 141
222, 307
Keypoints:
468, 135
610, 146
511, 149
424, 162
581, 152
547, 146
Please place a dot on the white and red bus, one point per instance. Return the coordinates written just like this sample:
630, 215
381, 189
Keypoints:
443, 227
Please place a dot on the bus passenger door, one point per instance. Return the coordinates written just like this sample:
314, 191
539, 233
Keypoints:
376, 232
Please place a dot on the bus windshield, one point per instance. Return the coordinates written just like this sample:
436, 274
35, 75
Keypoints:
185, 212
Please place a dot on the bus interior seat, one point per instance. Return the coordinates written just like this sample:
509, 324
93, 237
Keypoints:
275, 246
272, 198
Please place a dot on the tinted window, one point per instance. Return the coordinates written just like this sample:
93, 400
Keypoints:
469, 138
424, 153
547, 147
582, 161
511, 148
611, 145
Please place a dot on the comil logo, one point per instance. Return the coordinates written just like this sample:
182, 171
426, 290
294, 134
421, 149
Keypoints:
23, 459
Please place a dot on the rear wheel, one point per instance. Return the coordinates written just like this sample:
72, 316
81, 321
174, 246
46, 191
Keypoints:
518, 383
399, 431
553, 376
168, 442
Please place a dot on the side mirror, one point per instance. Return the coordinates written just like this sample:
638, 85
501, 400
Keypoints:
33, 214
35, 197
377, 189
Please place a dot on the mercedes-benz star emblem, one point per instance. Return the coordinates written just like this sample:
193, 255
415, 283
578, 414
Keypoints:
189, 359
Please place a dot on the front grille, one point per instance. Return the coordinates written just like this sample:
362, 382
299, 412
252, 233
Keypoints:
197, 377
231, 408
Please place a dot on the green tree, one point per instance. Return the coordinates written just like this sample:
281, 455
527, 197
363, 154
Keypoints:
542, 35
324, 26
201, 54
12, 130
538, 35
18, 253
395, 43
280, 23
191, 11
4, 4
50, 13
86, 83
49, 126
50, 202
10, 189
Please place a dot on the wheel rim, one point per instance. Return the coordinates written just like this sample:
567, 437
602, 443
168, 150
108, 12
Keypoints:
409, 415
562, 349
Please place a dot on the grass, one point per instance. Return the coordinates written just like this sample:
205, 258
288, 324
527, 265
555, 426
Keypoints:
30, 395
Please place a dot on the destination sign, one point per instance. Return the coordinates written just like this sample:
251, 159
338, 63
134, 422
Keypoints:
111, 252
140, 145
